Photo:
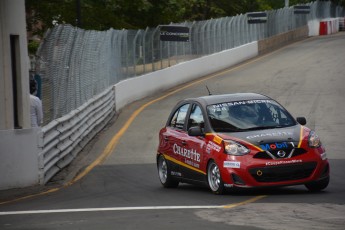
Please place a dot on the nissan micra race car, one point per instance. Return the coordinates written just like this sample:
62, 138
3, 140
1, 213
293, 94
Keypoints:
239, 140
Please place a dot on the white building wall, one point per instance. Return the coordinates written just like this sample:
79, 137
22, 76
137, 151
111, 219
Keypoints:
18, 147
12, 22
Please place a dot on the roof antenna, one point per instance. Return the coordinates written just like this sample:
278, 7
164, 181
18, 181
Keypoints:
209, 93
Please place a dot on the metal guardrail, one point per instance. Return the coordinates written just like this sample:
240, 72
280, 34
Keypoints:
62, 139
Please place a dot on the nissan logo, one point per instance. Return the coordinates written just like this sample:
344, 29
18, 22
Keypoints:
281, 153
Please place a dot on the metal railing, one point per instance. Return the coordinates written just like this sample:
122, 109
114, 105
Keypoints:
62, 139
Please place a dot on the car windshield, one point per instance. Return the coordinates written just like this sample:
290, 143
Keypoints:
248, 115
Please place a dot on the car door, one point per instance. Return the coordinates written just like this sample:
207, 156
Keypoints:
173, 138
194, 146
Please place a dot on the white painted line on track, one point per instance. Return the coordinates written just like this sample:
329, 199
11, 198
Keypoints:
229, 206
108, 209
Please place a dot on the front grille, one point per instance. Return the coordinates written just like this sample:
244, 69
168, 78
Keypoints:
289, 153
281, 173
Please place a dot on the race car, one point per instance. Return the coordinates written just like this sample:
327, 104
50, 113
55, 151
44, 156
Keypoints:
242, 140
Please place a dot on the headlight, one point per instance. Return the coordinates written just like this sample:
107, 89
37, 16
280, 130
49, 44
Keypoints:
234, 148
314, 140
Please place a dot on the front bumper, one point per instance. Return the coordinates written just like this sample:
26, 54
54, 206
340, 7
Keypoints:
283, 174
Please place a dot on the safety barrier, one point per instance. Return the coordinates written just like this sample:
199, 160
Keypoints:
62, 139
341, 24
329, 26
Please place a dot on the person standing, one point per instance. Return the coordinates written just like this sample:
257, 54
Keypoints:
35, 106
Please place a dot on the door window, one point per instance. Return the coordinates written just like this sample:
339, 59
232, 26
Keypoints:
196, 118
179, 117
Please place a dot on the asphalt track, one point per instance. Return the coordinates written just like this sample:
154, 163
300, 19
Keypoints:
117, 186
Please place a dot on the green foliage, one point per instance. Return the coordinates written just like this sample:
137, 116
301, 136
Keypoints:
33, 46
138, 14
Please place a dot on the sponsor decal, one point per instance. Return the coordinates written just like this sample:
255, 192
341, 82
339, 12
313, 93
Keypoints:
208, 150
324, 156
283, 162
228, 185
174, 33
275, 134
187, 153
217, 139
232, 164
212, 146
273, 146
301, 9
192, 157
192, 163
173, 173
257, 17
224, 106
183, 164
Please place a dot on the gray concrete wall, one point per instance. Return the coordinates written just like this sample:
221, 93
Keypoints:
275, 42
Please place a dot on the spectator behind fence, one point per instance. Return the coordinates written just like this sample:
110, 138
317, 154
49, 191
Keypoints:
35, 106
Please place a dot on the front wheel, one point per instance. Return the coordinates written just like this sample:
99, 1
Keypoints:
214, 178
165, 174
316, 186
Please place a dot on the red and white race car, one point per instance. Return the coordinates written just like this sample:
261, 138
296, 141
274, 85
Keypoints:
239, 140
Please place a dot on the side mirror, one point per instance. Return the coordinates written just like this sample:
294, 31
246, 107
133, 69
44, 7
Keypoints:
195, 131
301, 120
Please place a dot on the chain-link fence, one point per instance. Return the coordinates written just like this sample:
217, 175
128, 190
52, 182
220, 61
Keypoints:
76, 65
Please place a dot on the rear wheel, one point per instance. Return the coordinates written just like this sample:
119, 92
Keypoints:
319, 185
214, 179
164, 173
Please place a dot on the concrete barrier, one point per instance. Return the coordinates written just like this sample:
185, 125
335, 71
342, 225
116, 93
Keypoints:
329, 26
19, 161
136, 88
314, 27
277, 41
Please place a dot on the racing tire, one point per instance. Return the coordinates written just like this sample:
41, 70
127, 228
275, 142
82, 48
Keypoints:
164, 173
317, 186
214, 179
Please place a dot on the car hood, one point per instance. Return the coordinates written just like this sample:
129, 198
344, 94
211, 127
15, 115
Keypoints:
268, 136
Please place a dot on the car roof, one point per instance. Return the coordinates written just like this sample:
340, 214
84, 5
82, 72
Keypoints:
216, 99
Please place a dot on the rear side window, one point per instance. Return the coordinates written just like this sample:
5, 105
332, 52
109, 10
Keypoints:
178, 119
